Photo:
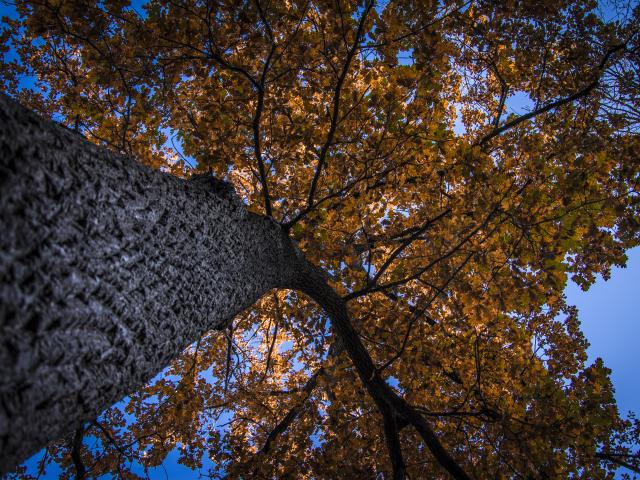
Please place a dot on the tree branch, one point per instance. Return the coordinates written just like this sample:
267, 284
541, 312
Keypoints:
556, 103
81, 471
335, 114
619, 459
418, 313
256, 132
277, 321
292, 414
311, 281
394, 447
504, 90
406, 242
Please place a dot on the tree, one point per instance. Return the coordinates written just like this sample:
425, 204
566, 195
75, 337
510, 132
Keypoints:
409, 238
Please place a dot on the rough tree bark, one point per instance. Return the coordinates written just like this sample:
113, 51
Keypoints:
108, 270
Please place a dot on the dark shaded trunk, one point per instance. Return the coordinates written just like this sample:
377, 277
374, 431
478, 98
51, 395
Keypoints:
108, 270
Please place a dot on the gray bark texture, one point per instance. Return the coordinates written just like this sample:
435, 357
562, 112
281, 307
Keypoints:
108, 270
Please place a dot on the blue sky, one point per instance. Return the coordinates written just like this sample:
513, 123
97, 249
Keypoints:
610, 318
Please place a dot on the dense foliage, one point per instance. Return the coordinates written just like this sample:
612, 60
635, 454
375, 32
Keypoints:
450, 165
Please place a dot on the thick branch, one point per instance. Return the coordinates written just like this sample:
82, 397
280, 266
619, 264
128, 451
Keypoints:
310, 280
76, 456
556, 103
394, 446
619, 459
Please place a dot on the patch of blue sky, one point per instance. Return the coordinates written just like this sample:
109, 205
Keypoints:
393, 382
138, 7
174, 142
405, 57
285, 346
610, 320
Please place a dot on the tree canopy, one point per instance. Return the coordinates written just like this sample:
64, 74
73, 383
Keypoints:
449, 166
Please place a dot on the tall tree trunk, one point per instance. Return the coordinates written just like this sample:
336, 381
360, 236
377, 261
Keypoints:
108, 270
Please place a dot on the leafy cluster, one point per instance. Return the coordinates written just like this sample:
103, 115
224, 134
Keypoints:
449, 165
